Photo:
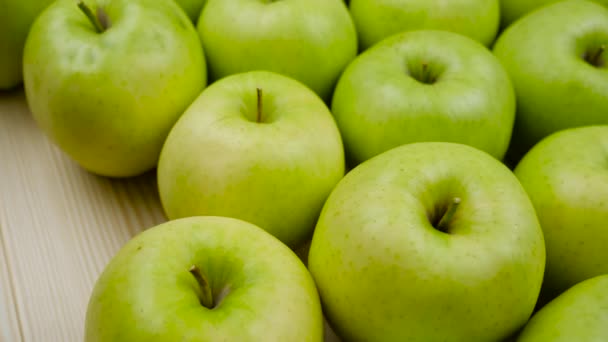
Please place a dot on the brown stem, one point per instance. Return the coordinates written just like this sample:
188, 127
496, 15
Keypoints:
104, 20
425, 72
101, 22
449, 214
259, 116
207, 294
596, 57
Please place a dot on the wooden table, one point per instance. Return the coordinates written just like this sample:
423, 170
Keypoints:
59, 226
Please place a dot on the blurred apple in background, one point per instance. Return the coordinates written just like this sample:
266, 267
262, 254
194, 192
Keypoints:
428, 242
557, 60
424, 86
256, 146
16, 17
566, 177
379, 19
204, 279
108, 80
579, 314
192, 7
511, 10
309, 40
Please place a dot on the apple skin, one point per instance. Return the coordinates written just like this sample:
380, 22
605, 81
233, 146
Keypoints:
385, 273
276, 174
566, 177
511, 10
378, 19
311, 41
579, 314
16, 17
379, 102
192, 7
555, 87
146, 292
109, 100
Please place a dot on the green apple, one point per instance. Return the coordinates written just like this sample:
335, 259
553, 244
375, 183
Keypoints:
16, 17
379, 19
429, 242
257, 146
511, 10
309, 40
557, 60
107, 80
566, 177
424, 86
192, 7
579, 314
204, 279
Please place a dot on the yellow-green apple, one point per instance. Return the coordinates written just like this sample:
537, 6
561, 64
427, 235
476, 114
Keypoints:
257, 146
309, 40
428, 242
511, 10
192, 7
424, 86
16, 17
579, 314
557, 60
107, 79
204, 279
379, 19
566, 177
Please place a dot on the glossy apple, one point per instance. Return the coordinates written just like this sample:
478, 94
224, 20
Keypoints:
566, 177
428, 242
424, 86
204, 279
557, 60
579, 314
511, 10
108, 88
192, 7
379, 19
309, 40
256, 146
16, 17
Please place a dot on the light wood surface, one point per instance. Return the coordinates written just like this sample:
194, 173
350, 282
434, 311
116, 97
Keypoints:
59, 226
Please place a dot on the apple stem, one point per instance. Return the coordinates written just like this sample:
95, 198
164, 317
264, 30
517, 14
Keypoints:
101, 22
595, 58
425, 74
259, 116
449, 214
207, 295
425, 71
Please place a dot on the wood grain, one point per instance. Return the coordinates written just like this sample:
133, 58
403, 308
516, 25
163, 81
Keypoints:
10, 329
59, 226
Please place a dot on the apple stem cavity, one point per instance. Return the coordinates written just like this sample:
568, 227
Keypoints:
449, 214
207, 295
101, 22
259, 114
595, 58
423, 74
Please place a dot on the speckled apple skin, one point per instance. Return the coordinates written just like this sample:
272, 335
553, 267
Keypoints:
566, 177
386, 274
109, 99
579, 314
146, 292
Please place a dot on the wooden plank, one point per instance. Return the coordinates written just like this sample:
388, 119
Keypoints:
10, 329
60, 225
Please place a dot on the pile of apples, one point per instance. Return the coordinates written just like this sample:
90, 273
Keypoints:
441, 166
